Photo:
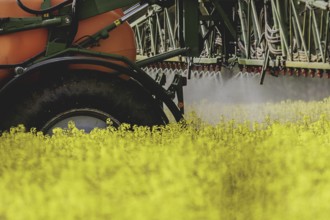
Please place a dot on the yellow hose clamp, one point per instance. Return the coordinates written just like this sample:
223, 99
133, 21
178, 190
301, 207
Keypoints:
117, 22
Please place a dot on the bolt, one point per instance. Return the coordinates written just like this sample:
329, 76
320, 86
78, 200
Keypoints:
19, 70
67, 20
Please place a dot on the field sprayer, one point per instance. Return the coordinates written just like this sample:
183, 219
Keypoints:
75, 59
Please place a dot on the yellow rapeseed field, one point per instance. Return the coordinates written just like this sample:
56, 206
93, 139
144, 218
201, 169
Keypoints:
274, 166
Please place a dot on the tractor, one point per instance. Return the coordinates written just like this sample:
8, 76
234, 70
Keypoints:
74, 60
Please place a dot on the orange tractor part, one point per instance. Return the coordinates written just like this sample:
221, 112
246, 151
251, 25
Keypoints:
20, 46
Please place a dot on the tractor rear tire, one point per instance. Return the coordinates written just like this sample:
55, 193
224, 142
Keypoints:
89, 97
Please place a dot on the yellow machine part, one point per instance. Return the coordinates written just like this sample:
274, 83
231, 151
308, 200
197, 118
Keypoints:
18, 47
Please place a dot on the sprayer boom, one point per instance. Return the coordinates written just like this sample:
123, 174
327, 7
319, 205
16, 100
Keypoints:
276, 37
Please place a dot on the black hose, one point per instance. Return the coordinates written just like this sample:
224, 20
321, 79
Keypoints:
45, 11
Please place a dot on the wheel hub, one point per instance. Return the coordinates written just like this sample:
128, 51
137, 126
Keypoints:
86, 119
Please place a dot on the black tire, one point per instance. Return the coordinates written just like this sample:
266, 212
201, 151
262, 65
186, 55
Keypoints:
85, 93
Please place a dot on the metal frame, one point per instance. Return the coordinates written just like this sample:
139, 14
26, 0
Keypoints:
185, 24
276, 34
290, 36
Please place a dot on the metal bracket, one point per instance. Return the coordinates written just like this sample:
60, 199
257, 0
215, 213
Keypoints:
176, 88
160, 78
